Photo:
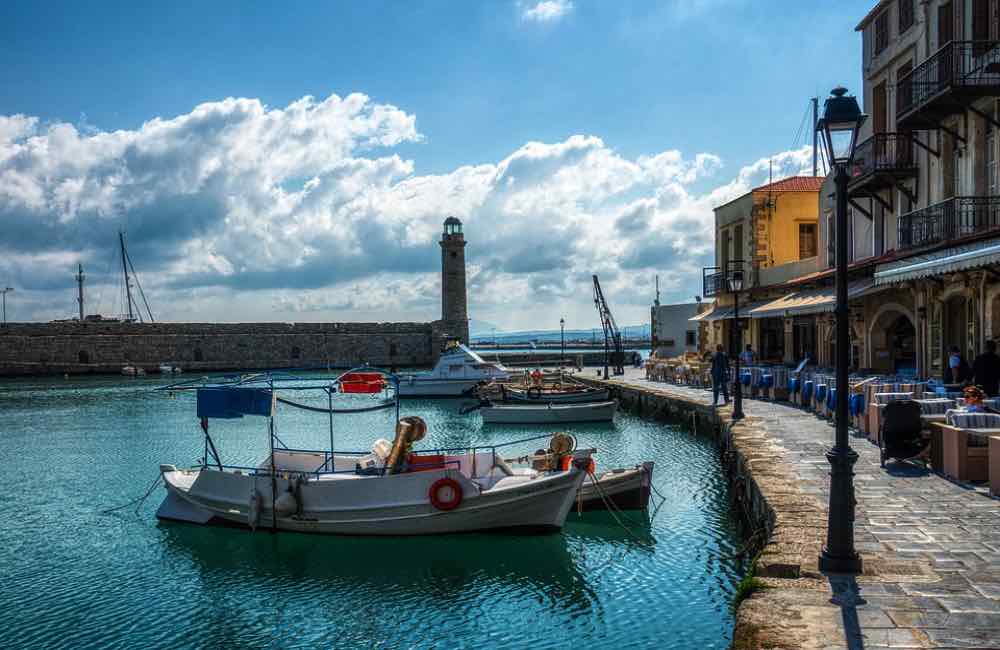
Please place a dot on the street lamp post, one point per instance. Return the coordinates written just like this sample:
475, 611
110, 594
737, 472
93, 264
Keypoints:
4, 292
839, 126
562, 341
734, 278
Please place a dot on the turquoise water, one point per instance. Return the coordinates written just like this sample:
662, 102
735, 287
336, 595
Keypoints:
76, 578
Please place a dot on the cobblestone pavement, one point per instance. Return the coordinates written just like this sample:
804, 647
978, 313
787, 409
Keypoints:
931, 546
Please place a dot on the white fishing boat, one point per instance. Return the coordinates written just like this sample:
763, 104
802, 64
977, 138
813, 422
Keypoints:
538, 394
390, 490
133, 371
549, 413
458, 371
168, 369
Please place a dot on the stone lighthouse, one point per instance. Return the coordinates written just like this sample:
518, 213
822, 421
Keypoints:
454, 309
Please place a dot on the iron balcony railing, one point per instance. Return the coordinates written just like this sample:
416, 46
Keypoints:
950, 219
884, 153
714, 281
959, 65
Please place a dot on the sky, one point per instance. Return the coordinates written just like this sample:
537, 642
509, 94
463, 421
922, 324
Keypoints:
295, 162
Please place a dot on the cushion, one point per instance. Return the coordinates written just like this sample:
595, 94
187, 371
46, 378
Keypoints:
963, 420
885, 398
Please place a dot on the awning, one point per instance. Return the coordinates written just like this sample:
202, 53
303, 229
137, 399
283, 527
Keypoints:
727, 313
234, 402
939, 262
703, 315
813, 301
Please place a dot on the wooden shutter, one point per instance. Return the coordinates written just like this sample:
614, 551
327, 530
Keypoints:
980, 20
879, 109
946, 24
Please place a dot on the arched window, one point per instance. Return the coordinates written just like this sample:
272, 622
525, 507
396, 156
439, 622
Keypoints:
83, 357
393, 349
296, 352
198, 356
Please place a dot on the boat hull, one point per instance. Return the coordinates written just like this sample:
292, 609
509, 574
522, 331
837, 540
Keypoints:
417, 387
368, 506
627, 489
549, 413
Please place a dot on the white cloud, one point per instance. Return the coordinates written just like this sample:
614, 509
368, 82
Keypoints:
546, 11
240, 211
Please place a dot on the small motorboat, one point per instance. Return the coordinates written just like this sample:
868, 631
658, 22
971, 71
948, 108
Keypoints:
168, 369
391, 490
457, 372
549, 413
624, 488
133, 371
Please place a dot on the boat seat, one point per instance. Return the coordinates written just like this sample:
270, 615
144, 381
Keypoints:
510, 482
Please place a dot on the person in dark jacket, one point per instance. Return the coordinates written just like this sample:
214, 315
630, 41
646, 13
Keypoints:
986, 370
720, 372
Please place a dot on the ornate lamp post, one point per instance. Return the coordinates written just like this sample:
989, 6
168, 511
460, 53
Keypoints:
734, 282
562, 341
839, 126
3, 293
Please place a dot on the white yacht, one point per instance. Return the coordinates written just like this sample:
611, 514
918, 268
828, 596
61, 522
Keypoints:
457, 371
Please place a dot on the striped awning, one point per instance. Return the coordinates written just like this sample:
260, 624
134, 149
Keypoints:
813, 301
949, 260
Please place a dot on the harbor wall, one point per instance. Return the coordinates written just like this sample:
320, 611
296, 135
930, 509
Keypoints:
99, 347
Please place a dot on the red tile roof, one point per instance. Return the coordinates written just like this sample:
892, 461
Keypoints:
793, 184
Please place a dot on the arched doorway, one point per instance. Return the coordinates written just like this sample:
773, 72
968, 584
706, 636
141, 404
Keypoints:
893, 342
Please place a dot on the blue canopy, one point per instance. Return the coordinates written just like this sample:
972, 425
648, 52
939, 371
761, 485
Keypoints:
234, 402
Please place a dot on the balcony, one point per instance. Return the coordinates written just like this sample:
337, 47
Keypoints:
882, 161
946, 82
955, 218
714, 281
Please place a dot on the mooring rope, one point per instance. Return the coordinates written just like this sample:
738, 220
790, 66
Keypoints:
137, 502
612, 508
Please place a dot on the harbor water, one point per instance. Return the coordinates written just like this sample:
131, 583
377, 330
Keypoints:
76, 578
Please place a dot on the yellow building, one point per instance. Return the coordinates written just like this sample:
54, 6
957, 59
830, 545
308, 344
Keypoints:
773, 231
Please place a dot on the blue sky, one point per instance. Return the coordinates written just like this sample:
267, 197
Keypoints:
469, 86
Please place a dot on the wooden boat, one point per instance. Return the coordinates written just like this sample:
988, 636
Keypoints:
624, 488
390, 490
549, 413
538, 395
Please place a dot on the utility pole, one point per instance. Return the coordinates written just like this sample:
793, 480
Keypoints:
128, 288
79, 288
815, 103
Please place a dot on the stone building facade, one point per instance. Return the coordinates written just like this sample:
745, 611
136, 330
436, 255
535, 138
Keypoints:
106, 346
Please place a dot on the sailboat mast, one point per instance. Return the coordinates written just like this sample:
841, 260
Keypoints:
128, 289
79, 289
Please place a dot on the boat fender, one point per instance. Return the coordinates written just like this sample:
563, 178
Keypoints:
253, 513
445, 494
535, 392
287, 504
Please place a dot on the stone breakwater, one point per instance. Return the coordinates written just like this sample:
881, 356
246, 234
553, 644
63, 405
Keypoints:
76, 348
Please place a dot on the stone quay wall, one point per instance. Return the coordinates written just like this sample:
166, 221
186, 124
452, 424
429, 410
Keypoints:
78, 348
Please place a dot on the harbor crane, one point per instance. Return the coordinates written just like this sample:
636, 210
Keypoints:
612, 336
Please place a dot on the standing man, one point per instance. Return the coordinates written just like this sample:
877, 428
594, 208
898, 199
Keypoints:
720, 371
746, 358
986, 369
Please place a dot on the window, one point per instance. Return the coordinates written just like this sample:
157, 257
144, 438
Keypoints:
691, 338
296, 352
198, 356
881, 32
807, 240
905, 15
667, 343
83, 357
